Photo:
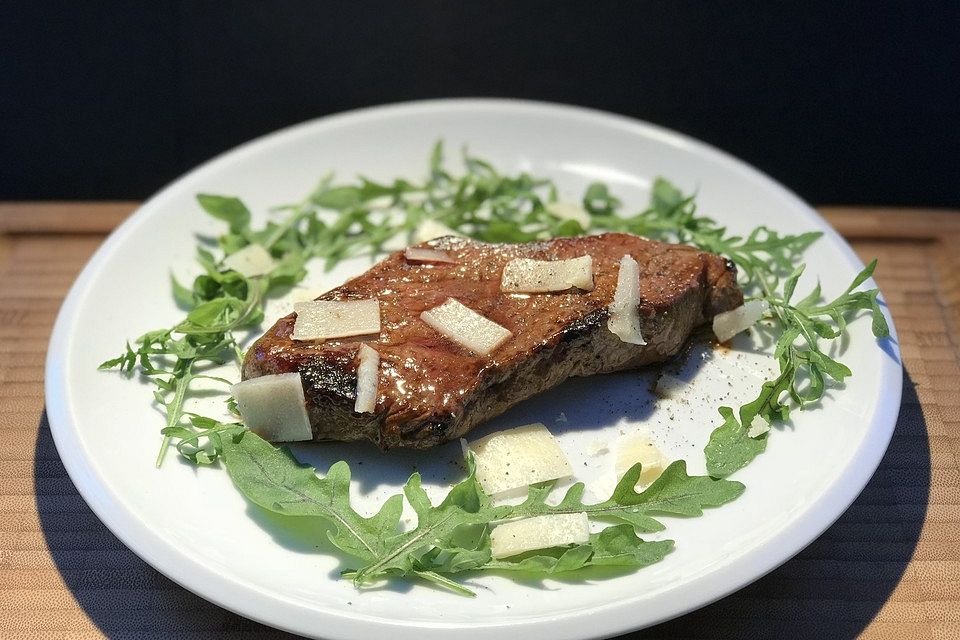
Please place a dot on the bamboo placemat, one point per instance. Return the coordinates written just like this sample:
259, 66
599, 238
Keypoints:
889, 568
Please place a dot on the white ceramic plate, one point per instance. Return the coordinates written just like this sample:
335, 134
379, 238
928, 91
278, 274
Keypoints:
194, 527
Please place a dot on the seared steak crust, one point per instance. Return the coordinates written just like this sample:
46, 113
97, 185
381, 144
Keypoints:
431, 390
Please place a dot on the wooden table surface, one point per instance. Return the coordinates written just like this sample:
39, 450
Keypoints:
889, 567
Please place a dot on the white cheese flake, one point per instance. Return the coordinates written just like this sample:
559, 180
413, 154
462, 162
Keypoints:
625, 309
251, 261
274, 407
602, 487
514, 458
758, 427
540, 532
640, 448
430, 229
368, 374
524, 275
325, 319
466, 327
419, 254
730, 323
569, 211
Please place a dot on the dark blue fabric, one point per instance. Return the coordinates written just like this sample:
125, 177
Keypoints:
845, 102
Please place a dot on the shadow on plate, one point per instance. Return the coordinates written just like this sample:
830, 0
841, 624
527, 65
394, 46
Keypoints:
612, 398
832, 589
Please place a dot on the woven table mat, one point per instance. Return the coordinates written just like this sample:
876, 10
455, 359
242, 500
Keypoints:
888, 568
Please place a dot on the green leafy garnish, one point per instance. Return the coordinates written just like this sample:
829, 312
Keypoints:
452, 537
616, 546
804, 365
339, 221
768, 261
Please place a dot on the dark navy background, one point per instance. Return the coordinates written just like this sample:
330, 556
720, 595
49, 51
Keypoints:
845, 102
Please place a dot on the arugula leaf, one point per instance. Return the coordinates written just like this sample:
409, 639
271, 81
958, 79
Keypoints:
181, 294
730, 449
599, 201
665, 198
272, 478
616, 546
807, 323
440, 543
673, 493
768, 261
230, 210
435, 528
338, 198
203, 443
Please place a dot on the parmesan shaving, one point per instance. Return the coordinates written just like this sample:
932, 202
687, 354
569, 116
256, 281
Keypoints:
518, 457
758, 427
325, 319
418, 254
274, 407
625, 309
639, 448
730, 323
466, 327
540, 532
523, 275
367, 379
251, 261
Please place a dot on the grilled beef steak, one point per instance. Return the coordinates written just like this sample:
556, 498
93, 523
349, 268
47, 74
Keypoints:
432, 390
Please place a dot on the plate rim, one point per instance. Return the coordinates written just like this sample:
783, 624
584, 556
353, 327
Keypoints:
261, 605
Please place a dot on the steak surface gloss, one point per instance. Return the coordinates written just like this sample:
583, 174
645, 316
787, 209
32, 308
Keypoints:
432, 390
